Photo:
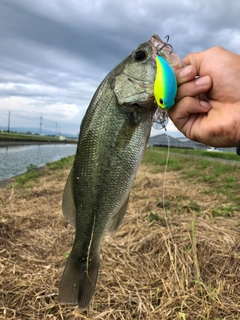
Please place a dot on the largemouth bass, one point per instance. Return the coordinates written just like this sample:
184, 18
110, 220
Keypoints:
112, 140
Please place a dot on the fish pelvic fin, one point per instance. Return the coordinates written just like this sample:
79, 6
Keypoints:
68, 204
78, 282
117, 218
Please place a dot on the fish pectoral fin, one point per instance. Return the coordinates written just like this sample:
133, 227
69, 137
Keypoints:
78, 282
117, 219
68, 204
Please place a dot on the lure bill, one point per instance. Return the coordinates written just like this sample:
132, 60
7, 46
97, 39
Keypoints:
165, 85
160, 119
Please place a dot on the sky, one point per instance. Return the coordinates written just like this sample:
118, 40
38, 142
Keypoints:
55, 53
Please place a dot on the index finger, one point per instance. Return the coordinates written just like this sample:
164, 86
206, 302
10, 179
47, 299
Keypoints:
194, 59
185, 74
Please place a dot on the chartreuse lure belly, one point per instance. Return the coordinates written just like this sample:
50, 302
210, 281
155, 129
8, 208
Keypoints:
165, 85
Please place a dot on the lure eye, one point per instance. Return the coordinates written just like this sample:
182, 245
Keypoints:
161, 101
140, 55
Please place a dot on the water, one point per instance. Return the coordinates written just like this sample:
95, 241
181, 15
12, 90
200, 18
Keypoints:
14, 160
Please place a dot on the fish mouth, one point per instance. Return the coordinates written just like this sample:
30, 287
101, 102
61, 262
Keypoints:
166, 51
144, 104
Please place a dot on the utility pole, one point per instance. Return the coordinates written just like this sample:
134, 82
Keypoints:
9, 115
40, 125
56, 128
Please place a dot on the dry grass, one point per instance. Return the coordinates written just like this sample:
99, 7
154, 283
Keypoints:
146, 273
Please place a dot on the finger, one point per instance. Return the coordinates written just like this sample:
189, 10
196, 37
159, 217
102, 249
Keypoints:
186, 110
193, 58
185, 74
194, 88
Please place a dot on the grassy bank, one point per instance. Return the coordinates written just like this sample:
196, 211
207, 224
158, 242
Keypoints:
199, 153
218, 178
33, 172
173, 260
10, 136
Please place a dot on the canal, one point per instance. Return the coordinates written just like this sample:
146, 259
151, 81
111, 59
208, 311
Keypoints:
14, 160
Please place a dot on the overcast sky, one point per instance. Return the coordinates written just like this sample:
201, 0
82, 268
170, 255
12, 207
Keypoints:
55, 53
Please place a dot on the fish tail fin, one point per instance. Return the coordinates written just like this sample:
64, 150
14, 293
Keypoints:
78, 282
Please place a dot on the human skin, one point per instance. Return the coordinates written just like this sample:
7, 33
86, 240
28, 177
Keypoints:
207, 108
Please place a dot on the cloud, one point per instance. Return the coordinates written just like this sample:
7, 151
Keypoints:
54, 54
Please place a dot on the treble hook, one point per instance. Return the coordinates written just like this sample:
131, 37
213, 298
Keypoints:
167, 36
164, 45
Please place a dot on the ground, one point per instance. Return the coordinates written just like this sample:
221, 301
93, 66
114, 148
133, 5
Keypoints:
170, 260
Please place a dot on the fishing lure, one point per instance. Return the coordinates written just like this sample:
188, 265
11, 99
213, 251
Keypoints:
165, 85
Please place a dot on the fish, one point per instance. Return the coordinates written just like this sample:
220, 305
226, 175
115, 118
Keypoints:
112, 140
165, 85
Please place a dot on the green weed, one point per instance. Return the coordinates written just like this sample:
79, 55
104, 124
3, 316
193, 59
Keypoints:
154, 157
192, 173
160, 204
154, 169
66, 255
194, 206
175, 165
31, 175
33, 172
156, 217
224, 211
213, 293
31, 168
61, 164
209, 178
230, 179
158, 158
207, 191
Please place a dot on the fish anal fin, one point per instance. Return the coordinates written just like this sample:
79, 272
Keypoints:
117, 219
78, 282
68, 203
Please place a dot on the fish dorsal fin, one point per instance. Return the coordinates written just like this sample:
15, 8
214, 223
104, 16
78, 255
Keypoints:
68, 204
117, 218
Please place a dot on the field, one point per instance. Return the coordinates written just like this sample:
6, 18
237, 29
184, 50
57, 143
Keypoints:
28, 137
176, 254
9, 137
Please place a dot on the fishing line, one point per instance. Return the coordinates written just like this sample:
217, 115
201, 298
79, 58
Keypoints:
160, 122
164, 188
163, 191
165, 211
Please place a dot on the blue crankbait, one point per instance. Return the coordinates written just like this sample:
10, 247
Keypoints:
165, 85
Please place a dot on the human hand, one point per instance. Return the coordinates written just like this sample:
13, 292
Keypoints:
207, 109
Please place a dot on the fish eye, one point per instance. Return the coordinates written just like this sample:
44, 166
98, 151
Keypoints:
161, 101
140, 55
